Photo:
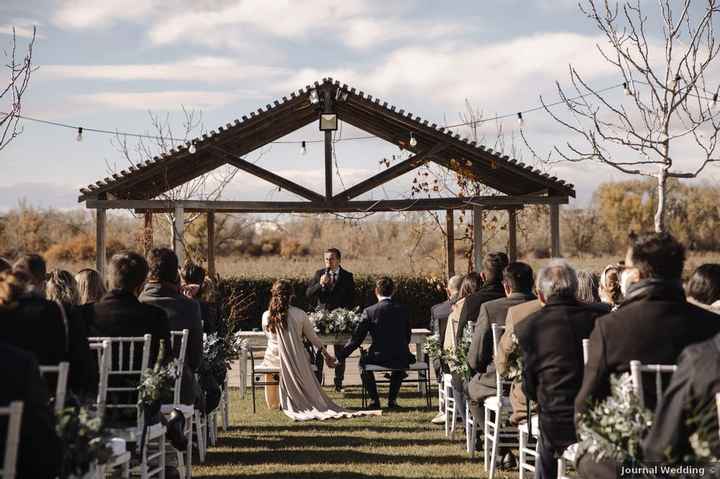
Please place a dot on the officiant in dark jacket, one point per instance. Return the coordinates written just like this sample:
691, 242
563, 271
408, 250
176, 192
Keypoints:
332, 287
388, 323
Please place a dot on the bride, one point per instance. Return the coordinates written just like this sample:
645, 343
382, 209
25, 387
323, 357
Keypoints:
301, 396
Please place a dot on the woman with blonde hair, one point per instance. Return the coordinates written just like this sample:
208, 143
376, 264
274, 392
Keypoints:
301, 397
90, 286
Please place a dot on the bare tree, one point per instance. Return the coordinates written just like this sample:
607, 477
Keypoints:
668, 100
19, 72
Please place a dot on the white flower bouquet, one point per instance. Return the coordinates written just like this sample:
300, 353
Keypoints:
338, 322
514, 370
457, 358
433, 348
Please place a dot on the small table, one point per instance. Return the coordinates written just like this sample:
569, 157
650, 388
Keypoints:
258, 340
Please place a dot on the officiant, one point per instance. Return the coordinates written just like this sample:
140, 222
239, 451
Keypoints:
332, 287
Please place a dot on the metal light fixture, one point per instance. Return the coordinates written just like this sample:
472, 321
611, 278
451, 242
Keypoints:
328, 122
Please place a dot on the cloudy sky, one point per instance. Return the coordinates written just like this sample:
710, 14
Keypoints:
106, 64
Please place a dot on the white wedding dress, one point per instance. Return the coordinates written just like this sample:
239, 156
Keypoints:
301, 396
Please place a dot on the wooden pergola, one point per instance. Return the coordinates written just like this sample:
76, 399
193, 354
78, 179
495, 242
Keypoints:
328, 102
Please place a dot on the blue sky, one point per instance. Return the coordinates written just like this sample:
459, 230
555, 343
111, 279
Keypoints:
105, 64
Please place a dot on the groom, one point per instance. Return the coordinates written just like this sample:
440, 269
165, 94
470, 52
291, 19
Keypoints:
388, 322
332, 287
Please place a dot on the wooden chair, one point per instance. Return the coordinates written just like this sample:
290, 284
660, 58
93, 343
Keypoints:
121, 355
258, 376
636, 372
421, 368
13, 412
494, 431
61, 370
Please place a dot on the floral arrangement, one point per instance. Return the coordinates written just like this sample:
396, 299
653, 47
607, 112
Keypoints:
613, 428
457, 358
219, 352
157, 384
704, 438
515, 364
338, 322
433, 348
84, 440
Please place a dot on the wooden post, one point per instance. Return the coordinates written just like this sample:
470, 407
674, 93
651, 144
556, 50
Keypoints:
555, 230
477, 237
148, 233
179, 230
100, 248
450, 228
328, 165
211, 243
512, 234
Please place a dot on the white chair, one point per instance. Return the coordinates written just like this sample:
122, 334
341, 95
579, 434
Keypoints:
717, 403
494, 431
527, 449
470, 430
451, 412
187, 410
223, 410
636, 371
61, 370
122, 354
13, 412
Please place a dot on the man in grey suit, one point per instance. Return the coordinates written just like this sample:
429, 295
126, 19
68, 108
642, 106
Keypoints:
518, 282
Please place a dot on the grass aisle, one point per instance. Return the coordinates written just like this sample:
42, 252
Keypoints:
396, 445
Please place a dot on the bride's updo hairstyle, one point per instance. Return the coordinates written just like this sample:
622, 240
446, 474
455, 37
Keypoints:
281, 296
12, 287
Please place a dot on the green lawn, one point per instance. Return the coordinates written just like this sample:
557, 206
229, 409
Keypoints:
395, 445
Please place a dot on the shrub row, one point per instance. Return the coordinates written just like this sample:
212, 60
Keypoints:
418, 294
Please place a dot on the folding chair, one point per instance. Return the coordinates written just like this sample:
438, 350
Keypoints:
61, 370
122, 355
13, 412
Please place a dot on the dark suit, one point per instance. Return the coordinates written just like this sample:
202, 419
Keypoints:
340, 294
182, 313
471, 307
691, 393
40, 450
480, 355
83, 376
653, 325
551, 343
389, 326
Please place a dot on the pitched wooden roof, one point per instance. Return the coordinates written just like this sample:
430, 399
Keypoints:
235, 140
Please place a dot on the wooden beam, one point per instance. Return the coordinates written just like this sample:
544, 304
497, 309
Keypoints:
148, 233
178, 233
555, 230
271, 177
100, 243
477, 237
211, 243
512, 235
328, 165
389, 174
450, 244
419, 204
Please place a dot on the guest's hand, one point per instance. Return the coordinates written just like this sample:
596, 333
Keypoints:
325, 279
190, 290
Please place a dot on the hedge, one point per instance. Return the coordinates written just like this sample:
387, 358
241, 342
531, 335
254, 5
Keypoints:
418, 294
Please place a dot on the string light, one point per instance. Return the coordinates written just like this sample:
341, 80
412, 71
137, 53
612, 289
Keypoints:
715, 97
303, 148
413, 140
520, 119
79, 134
192, 148
675, 82
626, 89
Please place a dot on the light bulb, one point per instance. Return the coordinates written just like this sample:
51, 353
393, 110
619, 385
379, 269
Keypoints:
715, 98
192, 148
413, 140
520, 119
79, 136
626, 89
303, 148
314, 98
675, 82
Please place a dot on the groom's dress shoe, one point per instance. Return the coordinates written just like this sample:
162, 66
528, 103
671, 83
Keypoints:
393, 406
372, 406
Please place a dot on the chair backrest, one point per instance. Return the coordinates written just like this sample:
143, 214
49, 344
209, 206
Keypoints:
179, 345
497, 331
586, 350
717, 404
13, 412
636, 371
121, 355
61, 370
103, 352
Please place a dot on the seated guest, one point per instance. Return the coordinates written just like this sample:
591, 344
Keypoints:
551, 343
33, 267
163, 291
609, 288
438, 319
688, 406
40, 449
653, 325
31, 322
588, 287
517, 282
119, 313
193, 277
90, 286
703, 289
388, 323
470, 283
83, 378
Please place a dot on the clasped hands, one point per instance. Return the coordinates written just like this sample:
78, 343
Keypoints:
330, 360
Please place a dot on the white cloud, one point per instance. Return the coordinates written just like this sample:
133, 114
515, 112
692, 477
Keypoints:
81, 14
164, 100
361, 33
199, 69
21, 30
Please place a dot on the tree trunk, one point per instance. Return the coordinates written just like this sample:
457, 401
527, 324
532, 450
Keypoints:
660, 212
